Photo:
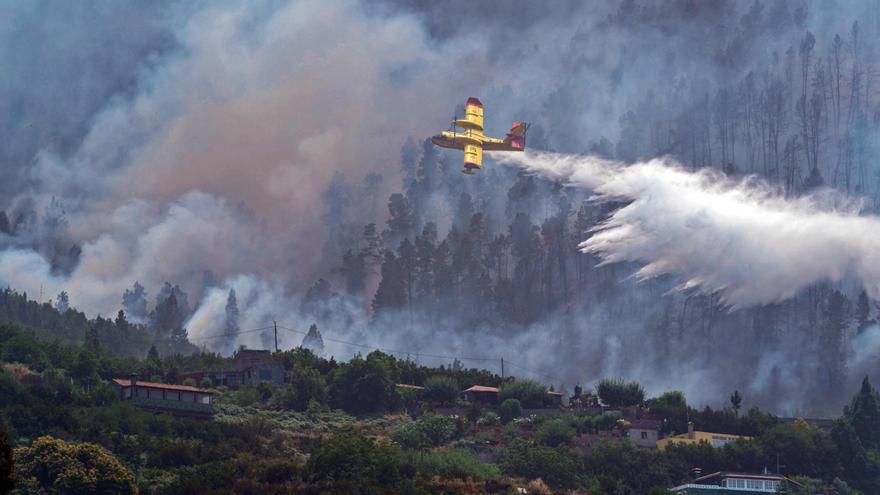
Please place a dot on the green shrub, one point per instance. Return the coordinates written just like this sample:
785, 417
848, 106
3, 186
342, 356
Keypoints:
489, 419
554, 433
104, 394
509, 409
442, 389
484, 437
473, 413
410, 437
245, 396
206, 383
190, 382
557, 467
306, 384
50, 465
511, 432
365, 385
428, 430
616, 392
528, 392
279, 471
351, 463
454, 463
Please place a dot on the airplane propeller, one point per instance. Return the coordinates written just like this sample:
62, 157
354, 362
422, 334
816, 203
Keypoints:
452, 125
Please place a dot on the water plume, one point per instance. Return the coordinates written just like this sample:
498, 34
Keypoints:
734, 237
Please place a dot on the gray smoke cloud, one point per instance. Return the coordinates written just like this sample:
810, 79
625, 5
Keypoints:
217, 158
182, 138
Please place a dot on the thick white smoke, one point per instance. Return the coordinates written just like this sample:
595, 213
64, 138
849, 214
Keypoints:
217, 159
147, 242
735, 238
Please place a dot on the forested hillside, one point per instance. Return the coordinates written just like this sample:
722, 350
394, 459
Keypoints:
139, 192
496, 257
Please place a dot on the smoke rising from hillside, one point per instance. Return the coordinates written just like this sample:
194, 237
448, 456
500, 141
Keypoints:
215, 156
735, 237
198, 148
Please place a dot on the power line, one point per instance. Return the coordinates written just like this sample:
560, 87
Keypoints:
230, 334
536, 373
392, 351
373, 347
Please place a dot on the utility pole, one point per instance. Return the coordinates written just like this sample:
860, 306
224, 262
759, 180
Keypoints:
502, 368
275, 324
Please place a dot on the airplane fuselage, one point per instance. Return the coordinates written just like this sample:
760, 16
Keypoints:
472, 141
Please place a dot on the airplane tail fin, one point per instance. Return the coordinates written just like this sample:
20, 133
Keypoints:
516, 138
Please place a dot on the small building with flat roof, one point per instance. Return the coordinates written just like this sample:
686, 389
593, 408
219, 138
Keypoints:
481, 394
181, 400
692, 436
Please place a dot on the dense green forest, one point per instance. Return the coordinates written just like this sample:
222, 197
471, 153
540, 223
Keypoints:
339, 427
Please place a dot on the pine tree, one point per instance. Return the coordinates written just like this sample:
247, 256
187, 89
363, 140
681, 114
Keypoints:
313, 340
401, 220
863, 414
863, 312
463, 211
232, 314
354, 271
850, 449
92, 341
371, 249
121, 323
392, 288
406, 260
152, 366
833, 357
409, 153
135, 302
425, 246
736, 402
372, 186
182, 300
168, 319
63, 302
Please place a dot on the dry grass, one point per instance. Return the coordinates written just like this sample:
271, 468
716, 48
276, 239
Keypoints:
538, 487
18, 371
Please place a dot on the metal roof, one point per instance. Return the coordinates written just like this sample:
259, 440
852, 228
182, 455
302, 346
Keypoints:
125, 382
407, 386
480, 388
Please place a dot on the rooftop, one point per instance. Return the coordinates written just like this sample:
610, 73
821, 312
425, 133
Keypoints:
480, 388
254, 352
409, 387
125, 382
644, 424
700, 436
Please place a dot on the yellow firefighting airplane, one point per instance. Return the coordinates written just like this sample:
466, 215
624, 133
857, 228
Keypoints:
472, 140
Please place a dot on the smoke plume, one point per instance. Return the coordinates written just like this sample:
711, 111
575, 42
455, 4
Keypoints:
220, 145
